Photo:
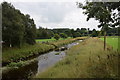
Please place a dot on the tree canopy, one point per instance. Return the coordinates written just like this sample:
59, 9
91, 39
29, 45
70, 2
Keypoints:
17, 28
107, 13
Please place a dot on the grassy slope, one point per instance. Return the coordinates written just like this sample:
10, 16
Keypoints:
13, 54
113, 41
86, 60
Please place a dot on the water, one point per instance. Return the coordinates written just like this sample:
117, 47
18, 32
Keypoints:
49, 59
43, 62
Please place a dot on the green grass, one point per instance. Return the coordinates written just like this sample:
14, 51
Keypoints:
13, 54
44, 40
113, 41
57, 53
49, 40
86, 60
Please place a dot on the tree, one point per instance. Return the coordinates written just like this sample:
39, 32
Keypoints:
17, 28
103, 12
43, 33
83, 31
30, 30
56, 36
76, 34
12, 25
94, 33
63, 35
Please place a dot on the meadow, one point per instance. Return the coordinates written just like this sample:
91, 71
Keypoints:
50, 40
113, 41
86, 60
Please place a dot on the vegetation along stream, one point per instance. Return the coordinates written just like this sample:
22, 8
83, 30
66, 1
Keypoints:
39, 65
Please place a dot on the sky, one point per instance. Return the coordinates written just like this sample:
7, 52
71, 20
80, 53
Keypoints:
55, 14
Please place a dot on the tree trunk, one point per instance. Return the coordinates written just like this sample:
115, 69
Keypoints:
104, 40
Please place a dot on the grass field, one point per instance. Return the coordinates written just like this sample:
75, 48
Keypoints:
49, 40
86, 60
41, 40
113, 41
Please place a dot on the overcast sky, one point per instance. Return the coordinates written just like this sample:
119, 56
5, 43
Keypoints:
56, 14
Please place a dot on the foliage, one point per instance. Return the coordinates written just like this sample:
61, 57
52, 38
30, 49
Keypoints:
76, 34
56, 36
57, 53
44, 33
17, 28
14, 64
94, 33
104, 12
63, 35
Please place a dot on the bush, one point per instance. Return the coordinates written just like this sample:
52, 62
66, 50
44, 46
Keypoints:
63, 35
56, 36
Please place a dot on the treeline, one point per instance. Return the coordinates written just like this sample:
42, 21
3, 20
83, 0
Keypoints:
17, 28
44, 33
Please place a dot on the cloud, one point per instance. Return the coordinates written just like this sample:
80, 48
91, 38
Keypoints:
56, 14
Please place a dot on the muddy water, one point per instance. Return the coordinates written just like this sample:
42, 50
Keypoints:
43, 62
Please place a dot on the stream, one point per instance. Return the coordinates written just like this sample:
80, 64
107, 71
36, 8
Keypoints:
43, 62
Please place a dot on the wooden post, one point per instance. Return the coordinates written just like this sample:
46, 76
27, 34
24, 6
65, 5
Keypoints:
104, 40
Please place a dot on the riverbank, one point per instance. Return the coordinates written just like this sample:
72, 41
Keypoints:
31, 67
27, 52
86, 60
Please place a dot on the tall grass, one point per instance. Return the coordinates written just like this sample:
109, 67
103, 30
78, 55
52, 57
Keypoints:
13, 54
86, 60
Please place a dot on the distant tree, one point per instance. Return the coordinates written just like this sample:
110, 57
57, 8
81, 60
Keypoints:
72, 32
56, 36
43, 33
83, 31
68, 33
63, 35
77, 30
76, 34
94, 33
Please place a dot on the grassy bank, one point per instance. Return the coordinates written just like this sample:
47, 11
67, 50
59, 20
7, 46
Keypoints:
86, 60
16, 54
13, 65
67, 41
113, 41
19, 54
